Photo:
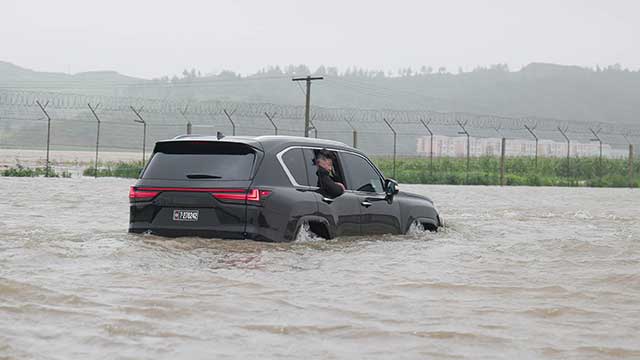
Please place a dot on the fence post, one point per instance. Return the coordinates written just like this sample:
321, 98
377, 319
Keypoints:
530, 130
503, 146
93, 111
144, 131
270, 117
184, 115
313, 127
426, 125
395, 135
354, 133
502, 154
564, 133
230, 120
465, 132
597, 138
630, 166
43, 108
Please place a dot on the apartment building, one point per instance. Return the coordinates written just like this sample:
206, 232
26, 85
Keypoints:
456, 146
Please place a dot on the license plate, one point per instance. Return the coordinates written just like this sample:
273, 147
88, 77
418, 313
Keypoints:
185, 215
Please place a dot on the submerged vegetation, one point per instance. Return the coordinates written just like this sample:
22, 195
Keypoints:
119, 169
518, 171
21, 171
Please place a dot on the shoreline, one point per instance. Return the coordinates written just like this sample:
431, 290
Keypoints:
61, 158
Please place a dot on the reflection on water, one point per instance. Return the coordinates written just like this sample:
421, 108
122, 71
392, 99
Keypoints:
518, 272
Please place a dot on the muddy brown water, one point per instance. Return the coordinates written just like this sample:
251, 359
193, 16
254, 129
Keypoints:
519, 273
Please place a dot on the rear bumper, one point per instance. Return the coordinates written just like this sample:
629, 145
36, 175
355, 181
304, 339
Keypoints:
172, 232
203, 233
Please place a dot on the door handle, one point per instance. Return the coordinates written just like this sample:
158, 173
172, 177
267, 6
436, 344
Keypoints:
366, 203
327, 200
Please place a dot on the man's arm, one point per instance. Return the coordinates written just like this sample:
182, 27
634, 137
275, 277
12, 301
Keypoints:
327, 185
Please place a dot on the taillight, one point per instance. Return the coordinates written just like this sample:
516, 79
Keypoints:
141, 194
253, 195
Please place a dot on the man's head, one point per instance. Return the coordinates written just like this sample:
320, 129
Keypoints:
324, 159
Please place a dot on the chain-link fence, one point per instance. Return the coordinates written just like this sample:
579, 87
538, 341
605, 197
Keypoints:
413, 146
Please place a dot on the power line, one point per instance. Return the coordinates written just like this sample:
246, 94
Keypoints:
80, 83
301, 89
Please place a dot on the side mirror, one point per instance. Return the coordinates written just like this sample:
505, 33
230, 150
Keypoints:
390, 187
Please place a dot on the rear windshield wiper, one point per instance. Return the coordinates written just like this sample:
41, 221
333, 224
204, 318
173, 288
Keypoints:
203, 176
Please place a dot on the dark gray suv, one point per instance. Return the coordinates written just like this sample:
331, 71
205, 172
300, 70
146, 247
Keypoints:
264, 188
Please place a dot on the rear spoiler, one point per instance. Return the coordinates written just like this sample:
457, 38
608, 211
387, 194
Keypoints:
207, 141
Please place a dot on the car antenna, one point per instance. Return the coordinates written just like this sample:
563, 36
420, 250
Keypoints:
219, 135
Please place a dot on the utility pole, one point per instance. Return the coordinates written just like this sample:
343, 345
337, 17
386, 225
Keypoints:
43, 108
597, 138
144, 131
93, 111
270, 117
307, 105
465, 132
426, 125
530, 130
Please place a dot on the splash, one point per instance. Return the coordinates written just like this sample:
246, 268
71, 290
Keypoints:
306, 235
583, 215
416, 229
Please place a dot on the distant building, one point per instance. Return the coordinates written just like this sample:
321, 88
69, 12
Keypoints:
457, 147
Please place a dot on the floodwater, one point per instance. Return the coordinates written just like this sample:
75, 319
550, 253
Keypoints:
519, 273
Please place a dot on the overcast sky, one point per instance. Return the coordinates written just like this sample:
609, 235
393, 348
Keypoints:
151, 38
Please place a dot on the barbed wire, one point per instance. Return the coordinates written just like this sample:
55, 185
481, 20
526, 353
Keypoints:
20, 112
69, 101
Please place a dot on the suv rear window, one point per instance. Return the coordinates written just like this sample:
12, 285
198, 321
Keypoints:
202, 160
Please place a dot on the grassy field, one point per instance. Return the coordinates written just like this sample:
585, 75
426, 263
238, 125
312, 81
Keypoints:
518, 171
482, 171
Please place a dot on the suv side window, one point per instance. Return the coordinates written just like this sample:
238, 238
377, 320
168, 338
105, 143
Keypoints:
361, 175
310, 161
294, 161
